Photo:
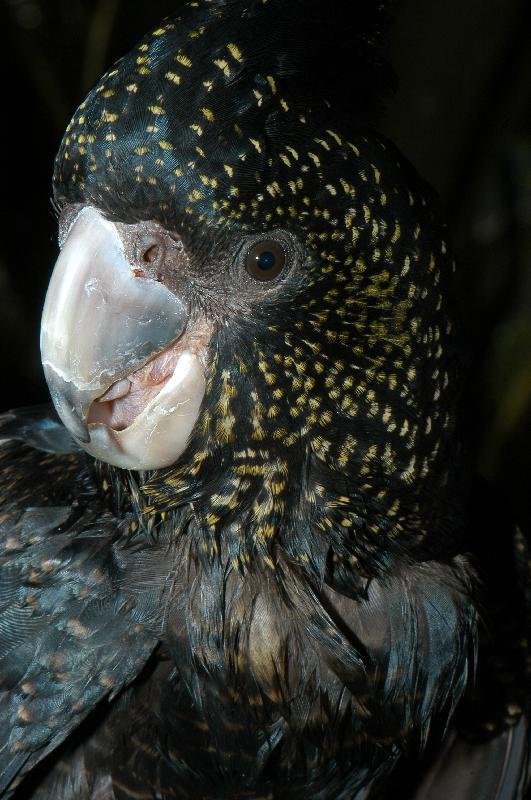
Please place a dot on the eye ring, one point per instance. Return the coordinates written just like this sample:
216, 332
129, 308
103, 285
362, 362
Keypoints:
265, 259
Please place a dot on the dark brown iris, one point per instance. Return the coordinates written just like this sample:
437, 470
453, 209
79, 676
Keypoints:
265, 260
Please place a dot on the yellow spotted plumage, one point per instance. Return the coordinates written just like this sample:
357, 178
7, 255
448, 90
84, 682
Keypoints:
292, 605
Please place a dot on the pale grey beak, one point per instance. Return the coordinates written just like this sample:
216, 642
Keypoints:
101, 323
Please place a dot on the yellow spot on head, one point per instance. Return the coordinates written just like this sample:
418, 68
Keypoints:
335, 136
184, 60
235, 52
173, 77
196, 34
223, 66
165, 145
396, 234
208, 114
271, 82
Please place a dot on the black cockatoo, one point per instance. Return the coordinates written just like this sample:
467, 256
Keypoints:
255, 567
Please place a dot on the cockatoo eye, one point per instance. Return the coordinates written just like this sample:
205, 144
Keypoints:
265, 260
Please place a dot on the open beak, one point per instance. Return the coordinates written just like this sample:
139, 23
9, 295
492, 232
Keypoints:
114, 351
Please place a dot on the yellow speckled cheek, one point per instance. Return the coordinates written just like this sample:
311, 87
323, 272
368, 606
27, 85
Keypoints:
348, 369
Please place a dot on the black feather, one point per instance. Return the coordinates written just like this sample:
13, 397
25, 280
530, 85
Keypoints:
292, 609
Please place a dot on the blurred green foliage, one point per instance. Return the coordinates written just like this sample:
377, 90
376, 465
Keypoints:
462, 115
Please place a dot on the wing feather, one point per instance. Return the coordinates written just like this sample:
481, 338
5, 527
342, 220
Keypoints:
70, 637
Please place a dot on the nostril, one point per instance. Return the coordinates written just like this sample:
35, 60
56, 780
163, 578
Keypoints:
151, 254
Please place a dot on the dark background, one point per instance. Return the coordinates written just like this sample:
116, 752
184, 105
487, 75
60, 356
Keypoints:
461, 114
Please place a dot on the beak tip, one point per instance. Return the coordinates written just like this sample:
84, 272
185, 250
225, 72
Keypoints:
82, 438
75, 424
71, 405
